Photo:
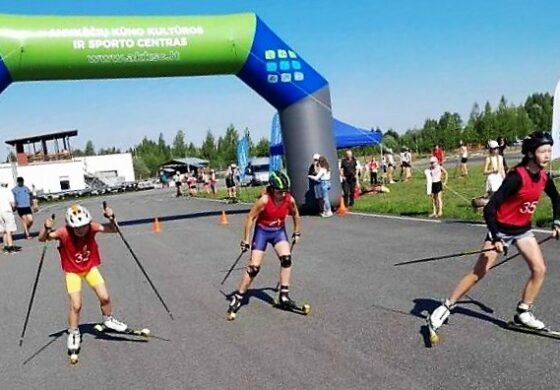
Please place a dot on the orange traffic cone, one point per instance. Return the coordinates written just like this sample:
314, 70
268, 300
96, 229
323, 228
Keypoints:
342, 209
156, 228
223, 219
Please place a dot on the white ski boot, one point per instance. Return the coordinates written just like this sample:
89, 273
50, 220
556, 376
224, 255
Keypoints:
437, 319
111, 323
525, 317
74, 340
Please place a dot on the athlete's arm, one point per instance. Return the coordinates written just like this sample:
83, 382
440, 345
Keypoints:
445, 175
257, 208
510, 186
552, 193
296, 219
108, 227
487, 169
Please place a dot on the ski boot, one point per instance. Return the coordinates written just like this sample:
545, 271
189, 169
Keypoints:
438, 317
73, 345
284, 302
234, 306
525, 317
112, 324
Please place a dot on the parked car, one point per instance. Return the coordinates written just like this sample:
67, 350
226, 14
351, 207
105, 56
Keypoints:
259, 170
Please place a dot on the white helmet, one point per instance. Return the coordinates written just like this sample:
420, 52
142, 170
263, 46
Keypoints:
77, 216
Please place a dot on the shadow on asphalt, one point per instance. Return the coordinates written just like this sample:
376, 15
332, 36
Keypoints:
87, 329
424, 306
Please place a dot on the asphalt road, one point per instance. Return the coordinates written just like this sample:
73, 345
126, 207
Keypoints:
364, 332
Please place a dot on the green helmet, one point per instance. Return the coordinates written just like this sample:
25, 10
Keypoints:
279, 180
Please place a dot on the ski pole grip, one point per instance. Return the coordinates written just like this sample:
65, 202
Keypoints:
112, 218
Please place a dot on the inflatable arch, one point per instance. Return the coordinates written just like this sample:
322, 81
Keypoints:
96, 47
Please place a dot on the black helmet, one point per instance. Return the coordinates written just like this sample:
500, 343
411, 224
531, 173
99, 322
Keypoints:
278, 180
534, 140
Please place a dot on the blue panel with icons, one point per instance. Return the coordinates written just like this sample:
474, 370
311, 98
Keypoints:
276, 72
5, 77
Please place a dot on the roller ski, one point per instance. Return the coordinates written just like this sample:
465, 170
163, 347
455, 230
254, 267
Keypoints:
435, 320
110, 324
73, 344
526, 322
284, 302
234, 306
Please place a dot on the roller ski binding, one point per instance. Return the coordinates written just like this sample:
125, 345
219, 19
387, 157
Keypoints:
284, 302
73, 344
526, 322
234, 306
435, 320
110, 324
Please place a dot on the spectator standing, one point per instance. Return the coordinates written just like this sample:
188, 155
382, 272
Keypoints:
438, 153
373, 168
348, 170
7, 219
213, 181
390, 161
323, 178
494, 169
436, 174
22, 196
406, 164
177, 180
464, 152
314, 185
502, 143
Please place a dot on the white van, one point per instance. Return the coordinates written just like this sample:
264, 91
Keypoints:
258, 170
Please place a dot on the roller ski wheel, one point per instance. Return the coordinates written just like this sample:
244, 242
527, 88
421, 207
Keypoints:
144, 332
73, 356
231, 315
290, 305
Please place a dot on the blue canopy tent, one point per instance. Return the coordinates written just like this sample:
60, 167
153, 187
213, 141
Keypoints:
346, 136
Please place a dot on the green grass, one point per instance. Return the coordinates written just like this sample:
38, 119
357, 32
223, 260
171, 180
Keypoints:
410, 199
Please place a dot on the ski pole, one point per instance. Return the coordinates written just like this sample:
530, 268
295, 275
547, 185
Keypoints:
45, 246
518, 253
232, 267
240, 268
115, 224
445, 256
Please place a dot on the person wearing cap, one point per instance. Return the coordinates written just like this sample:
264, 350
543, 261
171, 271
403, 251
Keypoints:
80, 260
323, 180
508, 217
177, 180
22, 195
7, 219
269, 214
493, 168
435, 174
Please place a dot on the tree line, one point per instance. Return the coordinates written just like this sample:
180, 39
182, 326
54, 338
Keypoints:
506, 120
149, 154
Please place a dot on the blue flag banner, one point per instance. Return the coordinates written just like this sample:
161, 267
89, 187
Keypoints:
275, 163
243, 156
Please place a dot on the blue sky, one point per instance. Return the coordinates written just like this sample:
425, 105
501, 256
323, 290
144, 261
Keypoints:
390, 64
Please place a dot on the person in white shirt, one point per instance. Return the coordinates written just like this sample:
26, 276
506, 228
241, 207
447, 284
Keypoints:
7, 219
324, 178
406, 164
494, 168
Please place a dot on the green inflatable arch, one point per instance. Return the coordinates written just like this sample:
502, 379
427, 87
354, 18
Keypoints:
93, 47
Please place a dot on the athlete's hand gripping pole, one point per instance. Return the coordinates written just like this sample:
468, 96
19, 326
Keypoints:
45, 246
111, 217
445, 256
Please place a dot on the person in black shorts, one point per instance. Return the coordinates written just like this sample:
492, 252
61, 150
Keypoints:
22, 196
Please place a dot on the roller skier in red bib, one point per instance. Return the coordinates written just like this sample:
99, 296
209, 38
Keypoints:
269, 214
508, 216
